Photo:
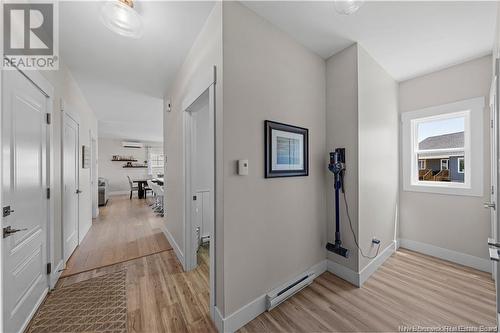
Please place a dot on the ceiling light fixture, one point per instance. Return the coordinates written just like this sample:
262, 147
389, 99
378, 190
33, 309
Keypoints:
120, 16
347, 7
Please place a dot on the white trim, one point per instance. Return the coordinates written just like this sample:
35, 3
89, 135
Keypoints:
449, 255
175, 246
218, 320
251, 310
473, 111
35, 309
343, 272
374, 264
356, 278
447, 160
56, 273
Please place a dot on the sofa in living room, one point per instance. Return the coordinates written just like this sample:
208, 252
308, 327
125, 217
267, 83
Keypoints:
103, 188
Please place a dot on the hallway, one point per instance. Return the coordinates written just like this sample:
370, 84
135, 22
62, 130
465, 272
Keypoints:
125, 230
161, 297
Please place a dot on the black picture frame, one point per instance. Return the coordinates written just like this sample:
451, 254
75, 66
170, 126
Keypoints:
270, 172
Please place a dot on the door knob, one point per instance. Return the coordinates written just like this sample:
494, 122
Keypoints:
78, 191
489, 205
7, 231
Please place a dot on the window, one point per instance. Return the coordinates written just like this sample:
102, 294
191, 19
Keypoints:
442, 148
156, 160
421, 164
444, 164
460, 165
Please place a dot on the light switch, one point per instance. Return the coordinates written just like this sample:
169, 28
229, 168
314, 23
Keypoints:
243, 167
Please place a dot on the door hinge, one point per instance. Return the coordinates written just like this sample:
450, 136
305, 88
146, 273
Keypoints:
48, 192
194, 197
49, 268
48, 118
492, 189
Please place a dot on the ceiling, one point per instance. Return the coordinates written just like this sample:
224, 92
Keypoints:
124, 79
407, 38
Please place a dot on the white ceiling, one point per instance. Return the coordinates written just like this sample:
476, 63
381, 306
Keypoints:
407, 38
124, 79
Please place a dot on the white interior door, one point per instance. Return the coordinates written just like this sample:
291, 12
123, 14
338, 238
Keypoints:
24, 184
70, 185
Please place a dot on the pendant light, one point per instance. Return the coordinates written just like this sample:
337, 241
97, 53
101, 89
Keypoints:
120, 17
347, 7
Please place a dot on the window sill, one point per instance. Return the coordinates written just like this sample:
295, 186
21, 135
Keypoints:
444, 188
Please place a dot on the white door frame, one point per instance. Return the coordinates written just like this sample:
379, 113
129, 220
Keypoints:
94, 175
48, 90
189, 239
76, 119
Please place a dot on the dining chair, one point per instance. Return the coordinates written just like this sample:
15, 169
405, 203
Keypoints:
132, 187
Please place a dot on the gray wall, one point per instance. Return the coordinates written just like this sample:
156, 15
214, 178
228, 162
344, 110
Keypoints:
205, 53
361, 116
342, 132
274, 229
114, 172
378, 155
445, 220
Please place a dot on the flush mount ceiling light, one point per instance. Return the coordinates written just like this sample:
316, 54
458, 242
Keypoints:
120, 16
347, 7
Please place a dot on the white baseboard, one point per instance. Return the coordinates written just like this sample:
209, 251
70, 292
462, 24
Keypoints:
343, 272
356, 278
374, 264
175, 246
450, 255
56, 273
32, 313
251, 310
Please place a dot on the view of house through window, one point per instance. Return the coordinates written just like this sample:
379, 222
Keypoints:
440, 148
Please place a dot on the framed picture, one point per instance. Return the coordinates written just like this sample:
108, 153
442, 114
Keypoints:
286, 149
85, 157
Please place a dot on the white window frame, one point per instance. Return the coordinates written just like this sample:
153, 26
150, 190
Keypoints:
472, 110
447, 160
458, 165
424, 164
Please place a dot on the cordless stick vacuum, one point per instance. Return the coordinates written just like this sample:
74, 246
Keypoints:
337, 167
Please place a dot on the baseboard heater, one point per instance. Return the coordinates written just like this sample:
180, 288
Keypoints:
279, 295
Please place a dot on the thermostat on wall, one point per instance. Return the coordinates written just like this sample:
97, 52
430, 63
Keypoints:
243, 167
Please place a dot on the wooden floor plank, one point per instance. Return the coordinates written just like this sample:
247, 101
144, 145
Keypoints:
409, 289
125, 230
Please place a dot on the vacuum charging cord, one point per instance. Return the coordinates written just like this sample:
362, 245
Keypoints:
353, 233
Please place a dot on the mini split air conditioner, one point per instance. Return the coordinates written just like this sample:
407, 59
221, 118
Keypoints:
128, 144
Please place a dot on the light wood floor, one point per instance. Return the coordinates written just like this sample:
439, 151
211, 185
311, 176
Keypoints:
409, 289
125, 229
160, 296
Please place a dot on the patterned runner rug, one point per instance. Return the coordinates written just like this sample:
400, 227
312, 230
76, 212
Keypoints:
95, 305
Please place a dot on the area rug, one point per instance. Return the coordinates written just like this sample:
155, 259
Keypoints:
94, 305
